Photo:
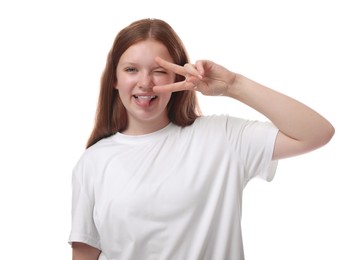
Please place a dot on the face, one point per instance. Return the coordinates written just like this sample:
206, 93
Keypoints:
137, 73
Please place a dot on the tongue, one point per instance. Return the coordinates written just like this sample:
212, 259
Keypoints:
144, 101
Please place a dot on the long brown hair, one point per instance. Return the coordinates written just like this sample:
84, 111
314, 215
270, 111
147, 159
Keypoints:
111, 115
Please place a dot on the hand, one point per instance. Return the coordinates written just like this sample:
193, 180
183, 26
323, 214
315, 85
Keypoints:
205, 76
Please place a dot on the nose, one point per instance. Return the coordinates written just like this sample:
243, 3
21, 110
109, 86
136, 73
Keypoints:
145, 81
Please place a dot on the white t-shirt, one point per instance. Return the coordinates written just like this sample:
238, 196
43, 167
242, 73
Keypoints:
175, 194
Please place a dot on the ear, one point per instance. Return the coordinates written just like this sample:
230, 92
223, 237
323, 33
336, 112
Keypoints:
115, 85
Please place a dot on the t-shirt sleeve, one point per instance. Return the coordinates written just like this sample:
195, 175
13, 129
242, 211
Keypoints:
254, 143
83, 226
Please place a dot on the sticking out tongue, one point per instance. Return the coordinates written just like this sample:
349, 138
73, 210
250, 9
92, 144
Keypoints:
144, 100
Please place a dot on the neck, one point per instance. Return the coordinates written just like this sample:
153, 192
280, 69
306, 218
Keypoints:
136, 128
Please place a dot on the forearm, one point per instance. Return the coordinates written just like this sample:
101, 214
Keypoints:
293, 118
81, 251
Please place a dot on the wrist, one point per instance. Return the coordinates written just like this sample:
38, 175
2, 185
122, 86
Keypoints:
234, 86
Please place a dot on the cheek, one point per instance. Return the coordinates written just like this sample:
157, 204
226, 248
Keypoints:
124, 84
166, 97
122, 80
124, 89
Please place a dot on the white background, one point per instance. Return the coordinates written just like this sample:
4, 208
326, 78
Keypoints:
51, 57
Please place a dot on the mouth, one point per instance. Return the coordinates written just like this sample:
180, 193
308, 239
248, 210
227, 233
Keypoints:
144, 100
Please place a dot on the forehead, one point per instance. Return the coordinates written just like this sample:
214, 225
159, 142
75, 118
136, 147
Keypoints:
145, 50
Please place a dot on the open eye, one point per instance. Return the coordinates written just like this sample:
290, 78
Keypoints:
130, 69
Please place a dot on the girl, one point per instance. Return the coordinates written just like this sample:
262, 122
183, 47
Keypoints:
158, 179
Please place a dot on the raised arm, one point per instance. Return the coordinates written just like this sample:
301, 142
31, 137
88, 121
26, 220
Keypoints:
301, 129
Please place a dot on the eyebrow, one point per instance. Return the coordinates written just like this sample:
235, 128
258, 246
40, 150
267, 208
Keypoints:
137, 65
128, 63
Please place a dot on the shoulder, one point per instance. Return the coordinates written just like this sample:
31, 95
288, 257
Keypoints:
217, 127
232, 127
211, 120
101, 146
221, 121
95, 154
